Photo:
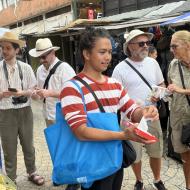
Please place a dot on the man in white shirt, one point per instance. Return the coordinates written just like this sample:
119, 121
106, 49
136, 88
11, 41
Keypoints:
136, 47
45, 51
17, 81
49, 90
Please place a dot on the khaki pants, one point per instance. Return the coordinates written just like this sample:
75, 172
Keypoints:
16, 123
154, 150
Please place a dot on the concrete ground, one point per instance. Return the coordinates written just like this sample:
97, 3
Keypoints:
172, 173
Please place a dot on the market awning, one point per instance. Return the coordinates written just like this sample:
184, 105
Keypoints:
136, 23
178, 20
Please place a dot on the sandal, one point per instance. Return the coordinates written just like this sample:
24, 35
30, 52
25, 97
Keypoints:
36, 179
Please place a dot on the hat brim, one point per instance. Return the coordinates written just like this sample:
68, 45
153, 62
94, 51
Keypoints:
149, 35
21, 43
35, 53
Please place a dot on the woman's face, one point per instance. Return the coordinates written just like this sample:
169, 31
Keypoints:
99, 57
178, 48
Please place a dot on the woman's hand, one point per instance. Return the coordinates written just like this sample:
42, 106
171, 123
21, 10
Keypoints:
151, 112
131, 135
174, 88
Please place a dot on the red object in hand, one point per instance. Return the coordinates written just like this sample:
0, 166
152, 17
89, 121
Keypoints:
145, 135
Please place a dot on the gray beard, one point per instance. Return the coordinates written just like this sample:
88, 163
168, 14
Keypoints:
141, 55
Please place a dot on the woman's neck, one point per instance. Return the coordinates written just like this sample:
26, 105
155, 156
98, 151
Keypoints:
96, 76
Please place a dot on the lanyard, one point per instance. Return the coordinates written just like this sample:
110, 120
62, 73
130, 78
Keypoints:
7, 75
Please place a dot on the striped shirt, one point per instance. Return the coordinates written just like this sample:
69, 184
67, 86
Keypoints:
29, 82
110, 93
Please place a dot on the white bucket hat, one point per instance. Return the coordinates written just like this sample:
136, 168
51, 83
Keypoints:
43, 45
133, 34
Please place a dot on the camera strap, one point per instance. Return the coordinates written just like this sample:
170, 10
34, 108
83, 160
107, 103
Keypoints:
7, 75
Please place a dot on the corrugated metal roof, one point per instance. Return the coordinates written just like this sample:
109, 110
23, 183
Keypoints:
183, 8
132, 14
148, 12
165, 9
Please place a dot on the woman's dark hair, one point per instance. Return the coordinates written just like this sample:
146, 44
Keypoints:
151, 49
89, 37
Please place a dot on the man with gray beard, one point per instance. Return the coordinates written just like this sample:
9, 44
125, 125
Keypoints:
136, 48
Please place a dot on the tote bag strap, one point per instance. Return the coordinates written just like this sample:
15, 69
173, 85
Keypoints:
81, 92
91, 91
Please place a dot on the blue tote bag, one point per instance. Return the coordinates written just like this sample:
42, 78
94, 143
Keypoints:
84, 162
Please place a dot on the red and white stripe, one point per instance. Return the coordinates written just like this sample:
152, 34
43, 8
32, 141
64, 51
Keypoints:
110, 93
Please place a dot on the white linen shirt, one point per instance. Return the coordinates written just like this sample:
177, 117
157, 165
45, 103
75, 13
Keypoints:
29, 82
63, 73
135, 86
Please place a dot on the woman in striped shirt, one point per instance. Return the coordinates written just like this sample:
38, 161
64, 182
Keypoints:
96, 51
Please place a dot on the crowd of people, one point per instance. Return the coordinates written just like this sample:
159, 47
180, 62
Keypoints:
127, 91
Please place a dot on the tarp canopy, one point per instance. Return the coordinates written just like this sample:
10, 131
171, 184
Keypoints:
179, 19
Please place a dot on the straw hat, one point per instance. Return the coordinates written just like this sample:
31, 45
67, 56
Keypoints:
43, 45
11, 37
133, 34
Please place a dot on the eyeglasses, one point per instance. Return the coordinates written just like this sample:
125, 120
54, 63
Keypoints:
173, 46
142, 44
44, 56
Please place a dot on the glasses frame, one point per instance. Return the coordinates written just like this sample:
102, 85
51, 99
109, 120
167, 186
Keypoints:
142, 43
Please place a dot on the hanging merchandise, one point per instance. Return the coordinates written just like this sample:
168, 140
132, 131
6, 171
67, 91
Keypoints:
90, 12
158, 32
151, 30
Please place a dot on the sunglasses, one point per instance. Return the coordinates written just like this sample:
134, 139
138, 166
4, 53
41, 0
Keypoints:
173, 46
142, 44
44, 56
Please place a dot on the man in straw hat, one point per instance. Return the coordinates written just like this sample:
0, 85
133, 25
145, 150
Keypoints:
17, 81
49, 90
51, 75
136, 48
